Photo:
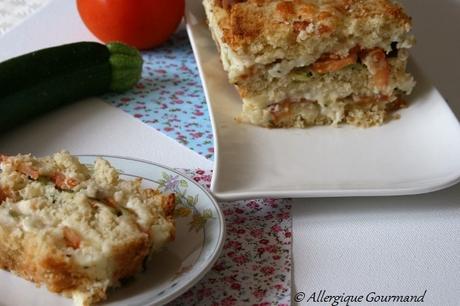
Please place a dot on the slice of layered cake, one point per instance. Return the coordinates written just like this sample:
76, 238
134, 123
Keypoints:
300, 63
77, 229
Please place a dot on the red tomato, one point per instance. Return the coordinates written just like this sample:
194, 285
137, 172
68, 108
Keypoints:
140, 23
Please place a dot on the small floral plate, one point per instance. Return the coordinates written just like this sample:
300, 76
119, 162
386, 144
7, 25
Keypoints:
200, 232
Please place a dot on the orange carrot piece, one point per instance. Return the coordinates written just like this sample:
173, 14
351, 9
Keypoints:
378, 65
72, 238
332, 63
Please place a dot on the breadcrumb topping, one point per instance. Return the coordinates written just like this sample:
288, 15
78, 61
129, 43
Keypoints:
75, 228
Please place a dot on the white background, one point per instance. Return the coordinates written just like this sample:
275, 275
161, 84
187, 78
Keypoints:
397, 245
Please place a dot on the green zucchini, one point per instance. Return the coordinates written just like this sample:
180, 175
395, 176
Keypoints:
38, 82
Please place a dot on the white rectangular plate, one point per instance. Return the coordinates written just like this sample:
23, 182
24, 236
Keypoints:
418, 153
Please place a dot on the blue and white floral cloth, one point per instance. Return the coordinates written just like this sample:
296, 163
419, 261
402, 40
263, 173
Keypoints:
170, 96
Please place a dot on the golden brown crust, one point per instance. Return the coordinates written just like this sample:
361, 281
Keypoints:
28, 260
58, 273
240, 30
169, 203
77, 242
251, 21
129, 257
